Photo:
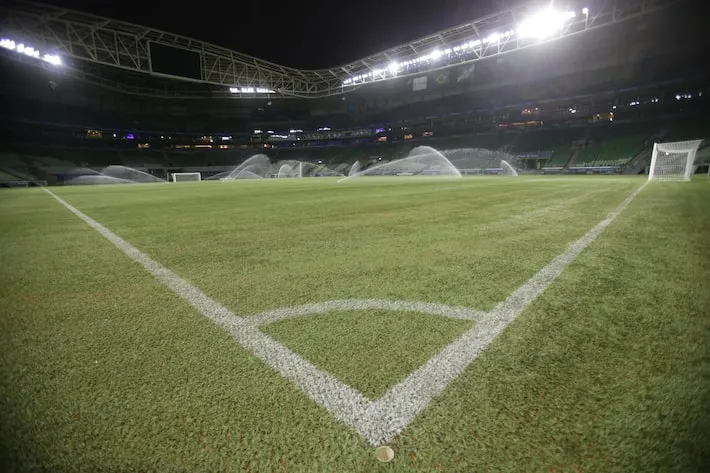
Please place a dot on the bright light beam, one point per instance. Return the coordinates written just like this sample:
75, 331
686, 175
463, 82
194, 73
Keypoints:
544, 24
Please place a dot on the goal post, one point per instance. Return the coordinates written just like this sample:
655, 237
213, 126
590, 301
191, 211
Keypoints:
673, 161
185, 177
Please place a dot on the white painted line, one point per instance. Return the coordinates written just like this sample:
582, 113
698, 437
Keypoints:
403, 402
381, 420
346, 403
364, 304
525, 294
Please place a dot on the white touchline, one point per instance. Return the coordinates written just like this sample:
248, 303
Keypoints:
344, 402
406, 400
381, 420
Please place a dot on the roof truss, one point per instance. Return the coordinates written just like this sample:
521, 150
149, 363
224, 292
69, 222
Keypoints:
94, 39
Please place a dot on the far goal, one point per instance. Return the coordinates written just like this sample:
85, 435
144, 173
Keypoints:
673, 161
186, 176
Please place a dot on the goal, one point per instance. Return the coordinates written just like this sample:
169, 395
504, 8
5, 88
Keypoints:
186, 176
673, 161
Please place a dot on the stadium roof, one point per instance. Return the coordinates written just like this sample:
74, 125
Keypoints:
56, 36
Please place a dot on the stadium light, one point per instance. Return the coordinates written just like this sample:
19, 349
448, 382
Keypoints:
29, 51
544, 24
250, 90
52, 59
494, 38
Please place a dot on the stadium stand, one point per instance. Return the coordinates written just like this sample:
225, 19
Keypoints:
557, 143
13, 177
45, 130
5, 177
614, 144
689, 128
592, 145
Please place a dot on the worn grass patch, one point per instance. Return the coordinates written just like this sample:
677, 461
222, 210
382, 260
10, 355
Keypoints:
371, 350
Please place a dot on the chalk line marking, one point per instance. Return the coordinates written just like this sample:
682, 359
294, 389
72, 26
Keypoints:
381, 420
272, 316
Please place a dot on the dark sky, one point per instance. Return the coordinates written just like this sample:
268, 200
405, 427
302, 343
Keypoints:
303, 34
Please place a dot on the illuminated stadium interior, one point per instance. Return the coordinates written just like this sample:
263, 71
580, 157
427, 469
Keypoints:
485, 249
79, 38
505, 81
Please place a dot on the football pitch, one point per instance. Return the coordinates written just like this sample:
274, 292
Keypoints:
530, 324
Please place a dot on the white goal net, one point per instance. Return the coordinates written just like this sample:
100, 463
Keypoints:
673, 161
186, 176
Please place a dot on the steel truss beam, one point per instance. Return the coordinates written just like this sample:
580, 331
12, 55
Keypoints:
601, 13
123, 45
90, 38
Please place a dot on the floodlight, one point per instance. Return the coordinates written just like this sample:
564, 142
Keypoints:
393, 67
495, 37
250, 90
585, 11
52, 59
543, 24
30, 51
7, 44
27, 50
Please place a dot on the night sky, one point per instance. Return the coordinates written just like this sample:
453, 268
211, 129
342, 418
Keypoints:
304, 34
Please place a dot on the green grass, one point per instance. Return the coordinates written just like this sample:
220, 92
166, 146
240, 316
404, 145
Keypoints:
104, 369
371, 350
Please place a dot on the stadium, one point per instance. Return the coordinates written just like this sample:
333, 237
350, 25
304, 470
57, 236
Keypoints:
482, 250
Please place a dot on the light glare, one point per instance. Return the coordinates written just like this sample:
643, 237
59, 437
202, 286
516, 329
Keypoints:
30, 51
250, 90
52, 59
542, 25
